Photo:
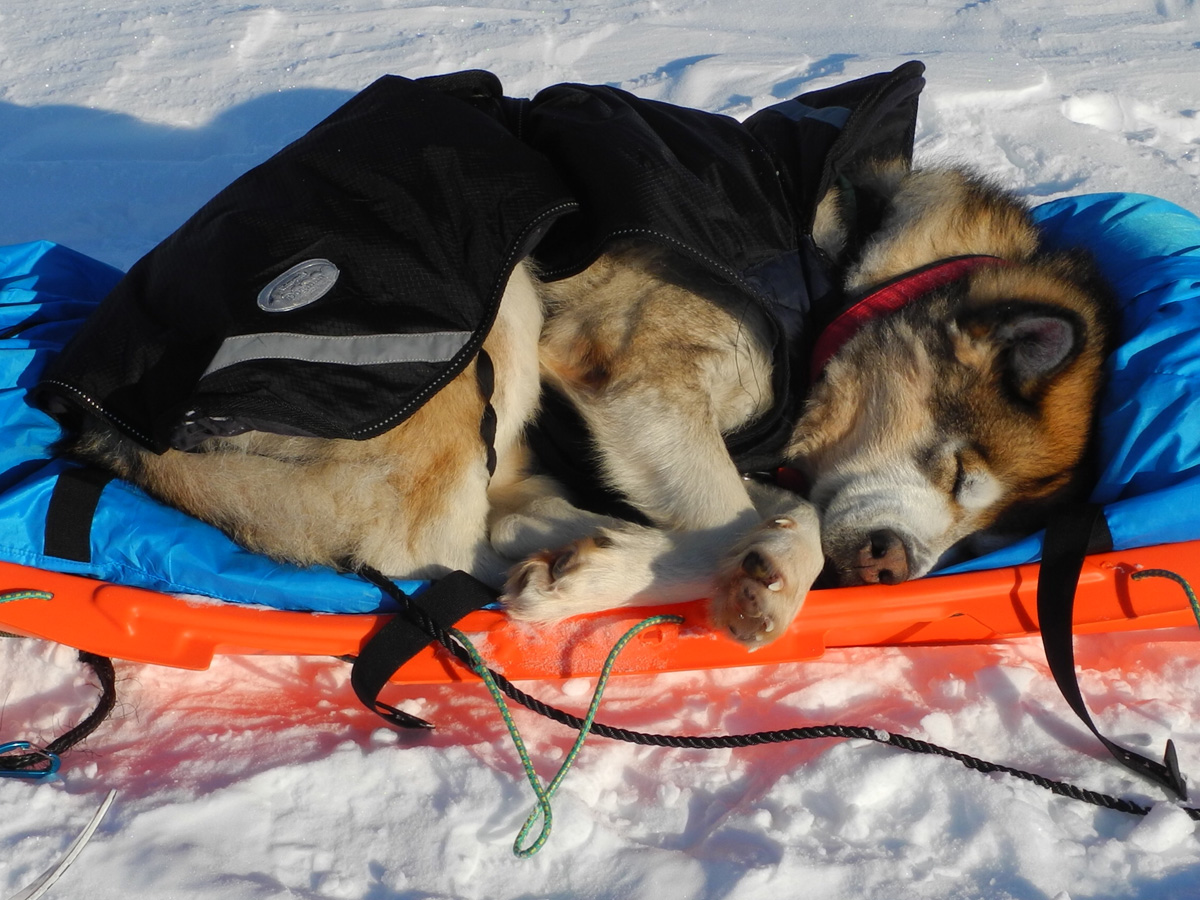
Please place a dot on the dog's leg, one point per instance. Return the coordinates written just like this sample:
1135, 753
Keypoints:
686, 480
755, 589
530, 514
576, 561
674, 469
625, 565
659, 373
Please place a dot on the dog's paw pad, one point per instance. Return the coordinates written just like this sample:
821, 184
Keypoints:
750, 599
757, 567
763, 587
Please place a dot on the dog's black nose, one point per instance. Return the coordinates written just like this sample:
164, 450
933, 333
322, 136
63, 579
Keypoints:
883, 559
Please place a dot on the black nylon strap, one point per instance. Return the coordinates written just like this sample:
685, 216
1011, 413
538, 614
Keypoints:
73, 503
1069, 537
445, 602
485, 375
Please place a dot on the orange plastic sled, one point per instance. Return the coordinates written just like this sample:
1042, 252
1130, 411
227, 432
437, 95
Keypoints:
144, 626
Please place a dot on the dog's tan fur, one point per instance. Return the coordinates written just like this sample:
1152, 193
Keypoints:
661, 362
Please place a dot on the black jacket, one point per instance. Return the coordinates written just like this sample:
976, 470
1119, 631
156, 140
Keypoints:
335, 287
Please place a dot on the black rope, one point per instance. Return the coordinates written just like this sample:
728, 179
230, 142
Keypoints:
718, 742
812, 732
103, 667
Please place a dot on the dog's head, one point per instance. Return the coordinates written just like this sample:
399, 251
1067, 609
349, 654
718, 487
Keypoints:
959, 418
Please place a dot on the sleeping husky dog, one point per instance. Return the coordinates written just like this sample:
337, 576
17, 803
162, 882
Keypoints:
949, 423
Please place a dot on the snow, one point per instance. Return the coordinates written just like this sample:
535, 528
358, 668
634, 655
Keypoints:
262, 778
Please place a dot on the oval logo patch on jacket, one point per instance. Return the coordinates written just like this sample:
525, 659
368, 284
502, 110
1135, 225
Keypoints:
302, 284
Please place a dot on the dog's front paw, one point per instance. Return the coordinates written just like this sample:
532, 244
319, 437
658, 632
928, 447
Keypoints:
553, 584
764, 582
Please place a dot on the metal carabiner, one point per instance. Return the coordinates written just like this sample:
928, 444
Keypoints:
46, 772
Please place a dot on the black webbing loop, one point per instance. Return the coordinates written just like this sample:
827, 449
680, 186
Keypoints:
103, 668
73, 502
1069, 537
419, 622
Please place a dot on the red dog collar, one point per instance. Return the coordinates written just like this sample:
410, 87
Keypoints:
889, 298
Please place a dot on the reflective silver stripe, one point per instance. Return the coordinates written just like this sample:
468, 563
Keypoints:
351, 350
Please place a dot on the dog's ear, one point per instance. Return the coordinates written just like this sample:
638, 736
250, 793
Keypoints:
1030, 342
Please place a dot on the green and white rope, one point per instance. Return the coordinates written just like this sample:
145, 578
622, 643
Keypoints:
10, 596
25, 595
1178, 579
545, 794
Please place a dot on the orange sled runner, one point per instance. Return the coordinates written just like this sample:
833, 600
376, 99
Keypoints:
149, 627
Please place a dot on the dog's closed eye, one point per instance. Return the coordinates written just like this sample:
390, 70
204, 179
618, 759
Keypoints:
975, 487
961, 471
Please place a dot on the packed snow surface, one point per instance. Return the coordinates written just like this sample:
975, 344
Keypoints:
261, 777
